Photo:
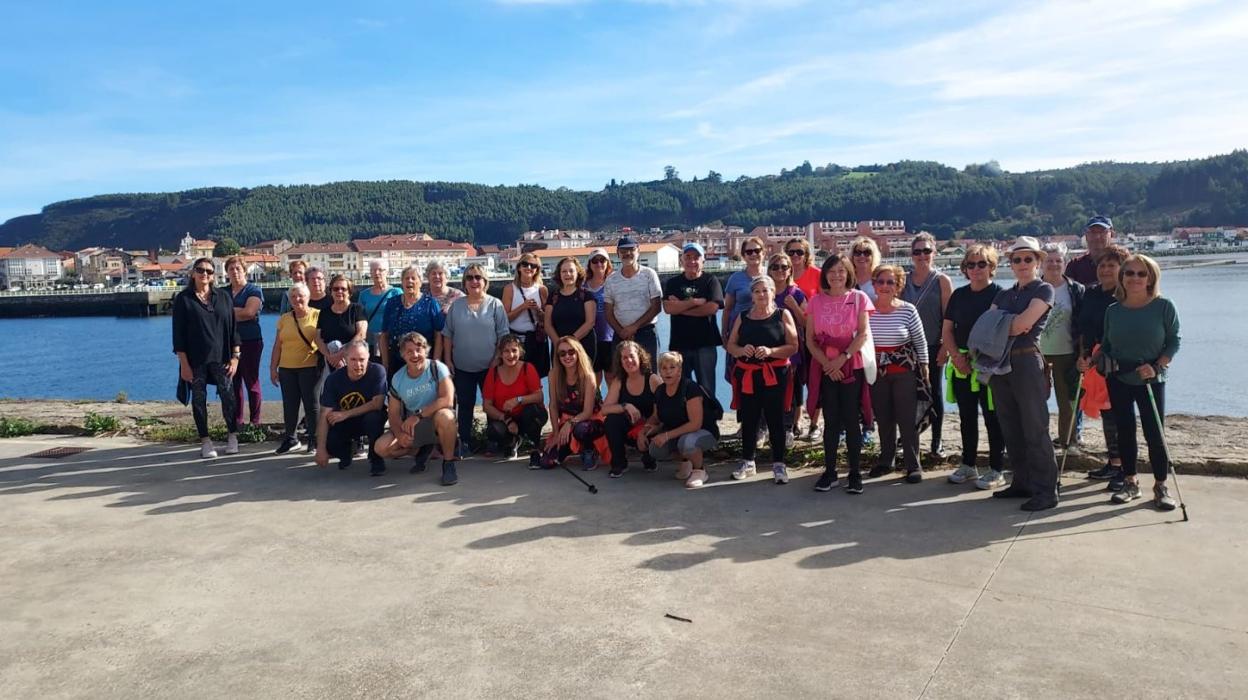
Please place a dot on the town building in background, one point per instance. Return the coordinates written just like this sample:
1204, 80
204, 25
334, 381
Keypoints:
30, 267
333, 258
661, 257
553, 239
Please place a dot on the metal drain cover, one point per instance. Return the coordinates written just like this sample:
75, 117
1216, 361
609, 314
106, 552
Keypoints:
58, 452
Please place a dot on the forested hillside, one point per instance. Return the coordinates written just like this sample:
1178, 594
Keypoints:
979, 200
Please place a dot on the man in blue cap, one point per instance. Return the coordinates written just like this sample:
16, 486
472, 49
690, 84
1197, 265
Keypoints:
1098, 233
632, 296
692, 299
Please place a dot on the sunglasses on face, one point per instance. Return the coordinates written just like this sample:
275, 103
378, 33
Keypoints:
598, 261
338, 289
567, 352
921, 251
527, 266
862, 253
1023, 260
795, 253
977, 265
779, 268
752, 251
1135, 273
886, 283
473, 278
204, 270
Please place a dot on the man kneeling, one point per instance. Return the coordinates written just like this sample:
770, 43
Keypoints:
421, 413
352, 406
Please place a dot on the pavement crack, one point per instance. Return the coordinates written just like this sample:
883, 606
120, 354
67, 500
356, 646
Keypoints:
965, 618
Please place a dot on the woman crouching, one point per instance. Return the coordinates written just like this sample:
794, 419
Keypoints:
576, 425
513, 401
630, 404
683, 422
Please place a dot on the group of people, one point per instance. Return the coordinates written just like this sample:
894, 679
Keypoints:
862, 348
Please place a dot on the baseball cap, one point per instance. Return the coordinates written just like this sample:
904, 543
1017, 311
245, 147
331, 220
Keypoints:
1102, 221
625, 242
694, 246
1025, 243
597, 252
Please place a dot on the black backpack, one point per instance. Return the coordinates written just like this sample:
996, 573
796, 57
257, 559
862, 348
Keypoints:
712, 409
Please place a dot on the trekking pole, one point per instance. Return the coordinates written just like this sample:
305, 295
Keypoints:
1070, 434
1161, 430
591, 487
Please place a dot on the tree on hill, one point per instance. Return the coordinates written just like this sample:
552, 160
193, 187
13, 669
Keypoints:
226, 247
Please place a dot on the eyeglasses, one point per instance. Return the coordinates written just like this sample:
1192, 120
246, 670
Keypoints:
204, 270
977, 265
921, 251
798, 253
473, 278
567, 353
598, 261
779, 268
527, 266
860, 253
885, 283
338, 289
752, 251
1135, 273
1023, 260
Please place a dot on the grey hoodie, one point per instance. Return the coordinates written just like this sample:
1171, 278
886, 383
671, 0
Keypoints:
990, 342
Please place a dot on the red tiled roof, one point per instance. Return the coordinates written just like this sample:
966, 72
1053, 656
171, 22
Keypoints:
305, 248
406, 242
29, 251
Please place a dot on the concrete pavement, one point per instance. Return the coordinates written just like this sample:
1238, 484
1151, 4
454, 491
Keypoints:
134, 569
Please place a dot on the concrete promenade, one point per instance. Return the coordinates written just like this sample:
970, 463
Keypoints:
138, 570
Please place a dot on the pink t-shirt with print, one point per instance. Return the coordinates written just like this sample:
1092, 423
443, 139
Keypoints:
835, 320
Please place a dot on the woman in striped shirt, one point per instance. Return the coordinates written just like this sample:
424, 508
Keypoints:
902, 355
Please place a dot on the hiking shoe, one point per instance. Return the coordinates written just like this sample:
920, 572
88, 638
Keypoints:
914, 476
879, 470
815, 434
231, 444
697, 479
288, 444
1162, 498
449, 477
779, 473
989, 480
685, 470
963, 474
422, 459
745, 471
1116, 481
377, 468
854, 485
1105, 472
827, 480
206, 450
589, 461
1130, 491
648, 463
535, 460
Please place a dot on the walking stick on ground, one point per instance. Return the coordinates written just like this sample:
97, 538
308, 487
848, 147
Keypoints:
1161, 429
1070, 434
591, 487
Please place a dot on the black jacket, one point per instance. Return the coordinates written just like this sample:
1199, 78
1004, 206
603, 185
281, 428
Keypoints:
206, 333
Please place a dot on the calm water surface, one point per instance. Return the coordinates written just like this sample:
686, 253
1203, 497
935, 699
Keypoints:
95, 357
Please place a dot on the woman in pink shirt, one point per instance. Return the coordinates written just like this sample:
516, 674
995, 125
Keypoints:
836, 330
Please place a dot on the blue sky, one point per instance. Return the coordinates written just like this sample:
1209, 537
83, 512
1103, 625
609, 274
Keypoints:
127, 97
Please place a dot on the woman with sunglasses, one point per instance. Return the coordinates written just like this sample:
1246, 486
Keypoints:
373, 300
1141, 338
629, 405
571, 310
965, 387
247, 302
205, 339
600, 269
737, 290
805, 274
836, 331
865, 255
901, 383
1022, 394
294, 369
806, 277
512, 399
524, 300
474, 326
341, 323
792, 298
929, 290
410, 312
576, 425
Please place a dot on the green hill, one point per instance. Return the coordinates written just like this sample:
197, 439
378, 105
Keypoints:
979, 200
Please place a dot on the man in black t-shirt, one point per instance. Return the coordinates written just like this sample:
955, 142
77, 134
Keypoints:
353, 405
692, 299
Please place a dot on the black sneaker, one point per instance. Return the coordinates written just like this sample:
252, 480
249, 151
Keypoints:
1105, 472
879, 470
311, 446
914, 476
535, 460
345, 462
648, 463
1116, 482
1036, 503
855, 483
827, 480
617, 472
422, 459
288, 444
377, 468
449, 477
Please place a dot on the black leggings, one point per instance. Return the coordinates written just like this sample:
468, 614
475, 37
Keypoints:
970, 403
299, 387
617, 426
767, 403
530, 422
1124, 398
935, 372
466, 386
840, 403
202, 376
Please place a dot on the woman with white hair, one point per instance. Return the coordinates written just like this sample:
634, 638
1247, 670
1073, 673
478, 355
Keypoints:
294, 366
1060, 340
762, 340
373, 299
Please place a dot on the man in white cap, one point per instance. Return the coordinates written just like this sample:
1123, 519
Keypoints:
692, 299
632, 298
1098, 233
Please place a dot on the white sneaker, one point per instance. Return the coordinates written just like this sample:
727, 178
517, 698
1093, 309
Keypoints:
991, 479
964, 474
231, 444
788, 440
206, 450
815, 434
780, 473
685, 470
745, 471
